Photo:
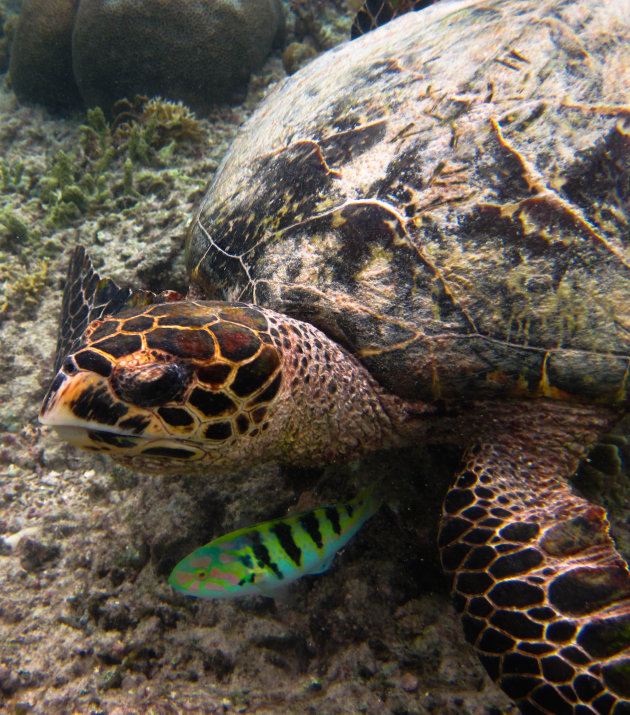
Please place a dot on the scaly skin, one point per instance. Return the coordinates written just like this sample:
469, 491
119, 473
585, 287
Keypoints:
545, 596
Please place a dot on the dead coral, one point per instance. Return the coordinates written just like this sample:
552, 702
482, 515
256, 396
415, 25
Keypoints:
325, 24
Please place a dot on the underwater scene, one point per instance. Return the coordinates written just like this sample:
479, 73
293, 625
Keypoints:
315, 357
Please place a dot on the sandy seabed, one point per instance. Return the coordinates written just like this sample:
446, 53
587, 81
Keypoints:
88, 622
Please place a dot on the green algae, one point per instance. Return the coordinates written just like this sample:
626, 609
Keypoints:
114, 165
158, 122
15, 230
105, 168
11, 175
110, 167
21, 287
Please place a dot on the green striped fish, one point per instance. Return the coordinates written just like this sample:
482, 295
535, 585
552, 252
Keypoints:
264, 558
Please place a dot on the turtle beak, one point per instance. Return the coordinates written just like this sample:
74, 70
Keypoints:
56, 412
64, 393
81, 401
53, 406
83, 412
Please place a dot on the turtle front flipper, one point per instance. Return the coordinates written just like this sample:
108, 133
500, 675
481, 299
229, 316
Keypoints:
88, 297
544, 595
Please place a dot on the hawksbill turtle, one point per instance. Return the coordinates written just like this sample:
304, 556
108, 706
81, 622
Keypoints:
421, 236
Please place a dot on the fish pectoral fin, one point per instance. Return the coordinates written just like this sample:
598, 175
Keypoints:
277, 591
325, 565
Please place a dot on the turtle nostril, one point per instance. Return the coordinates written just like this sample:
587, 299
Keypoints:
69, 366
150, 385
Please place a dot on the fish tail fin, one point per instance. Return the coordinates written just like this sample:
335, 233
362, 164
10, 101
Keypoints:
373, 500
367, 502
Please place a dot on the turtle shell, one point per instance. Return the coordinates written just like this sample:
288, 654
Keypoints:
448, 197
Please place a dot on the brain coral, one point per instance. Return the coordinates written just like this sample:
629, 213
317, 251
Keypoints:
98, 51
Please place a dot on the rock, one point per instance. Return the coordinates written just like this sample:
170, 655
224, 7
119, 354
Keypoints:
35, 555
9, 681
41, 54
111, 678
409, 682
12, 540
115, 616
199, 52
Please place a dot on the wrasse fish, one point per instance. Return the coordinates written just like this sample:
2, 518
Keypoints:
264, 558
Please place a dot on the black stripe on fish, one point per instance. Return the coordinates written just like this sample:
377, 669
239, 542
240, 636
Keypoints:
247, 579
349, 510
264, 559
333, 517
311, 525
246, 560
285, 539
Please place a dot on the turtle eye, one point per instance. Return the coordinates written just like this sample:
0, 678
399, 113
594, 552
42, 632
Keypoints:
150, 385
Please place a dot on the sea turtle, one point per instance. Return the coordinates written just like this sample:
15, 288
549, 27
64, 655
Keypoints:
420, 236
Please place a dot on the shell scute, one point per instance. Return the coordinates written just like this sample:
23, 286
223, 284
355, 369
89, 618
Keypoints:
244, 315
181, 342
459, 220
235, 343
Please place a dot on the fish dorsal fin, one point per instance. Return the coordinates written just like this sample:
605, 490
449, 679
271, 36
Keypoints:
88, 297
374, 13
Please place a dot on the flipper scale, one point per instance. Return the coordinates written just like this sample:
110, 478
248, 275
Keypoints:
544, 595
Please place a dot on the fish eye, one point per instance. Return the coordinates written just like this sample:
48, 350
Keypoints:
152, 384
201, 574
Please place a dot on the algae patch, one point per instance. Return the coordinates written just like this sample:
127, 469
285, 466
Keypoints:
95, 172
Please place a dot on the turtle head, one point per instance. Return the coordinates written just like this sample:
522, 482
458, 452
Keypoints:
166, 384
193, 385
175, 383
